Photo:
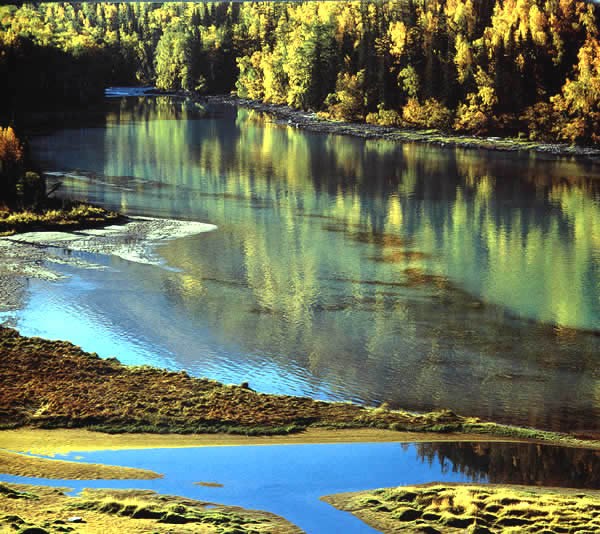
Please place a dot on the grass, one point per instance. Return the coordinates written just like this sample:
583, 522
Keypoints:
472, 509
70, 216
10, 493
104, 395
138, 508
140, 511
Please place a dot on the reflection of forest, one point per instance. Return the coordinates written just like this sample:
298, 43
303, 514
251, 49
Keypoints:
517, 463
393, 272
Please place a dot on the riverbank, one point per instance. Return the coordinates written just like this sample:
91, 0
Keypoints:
312, 122
91, 393
473, 508
46, 510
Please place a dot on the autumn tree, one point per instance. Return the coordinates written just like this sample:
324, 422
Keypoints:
578, 104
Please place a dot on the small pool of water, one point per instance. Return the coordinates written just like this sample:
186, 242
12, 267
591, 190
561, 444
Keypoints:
288, 480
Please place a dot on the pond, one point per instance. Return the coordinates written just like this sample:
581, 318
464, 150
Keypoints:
341, 268
288, 480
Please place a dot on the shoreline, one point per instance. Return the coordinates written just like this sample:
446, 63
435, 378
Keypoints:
51, 442
311, 122
91, 393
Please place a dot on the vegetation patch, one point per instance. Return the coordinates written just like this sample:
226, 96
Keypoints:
55, 215
140, 511
472, 509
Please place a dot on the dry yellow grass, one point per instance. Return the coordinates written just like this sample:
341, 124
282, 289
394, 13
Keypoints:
78, 215
30, 466
126, 511
453, 508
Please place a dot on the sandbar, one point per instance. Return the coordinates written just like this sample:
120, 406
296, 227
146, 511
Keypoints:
63, 441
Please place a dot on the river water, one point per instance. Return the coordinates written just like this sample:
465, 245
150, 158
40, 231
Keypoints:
288, 480
341, 268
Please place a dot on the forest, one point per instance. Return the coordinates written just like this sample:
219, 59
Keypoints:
522, 68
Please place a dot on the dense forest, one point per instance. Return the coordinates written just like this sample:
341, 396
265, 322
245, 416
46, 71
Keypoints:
526, 68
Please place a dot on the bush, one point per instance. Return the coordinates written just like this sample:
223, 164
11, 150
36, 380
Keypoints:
384, 117
31, 188
431, 114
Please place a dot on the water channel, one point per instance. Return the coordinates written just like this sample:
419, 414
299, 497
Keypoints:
341, 268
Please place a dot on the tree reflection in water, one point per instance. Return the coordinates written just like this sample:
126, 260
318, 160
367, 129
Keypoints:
517, 463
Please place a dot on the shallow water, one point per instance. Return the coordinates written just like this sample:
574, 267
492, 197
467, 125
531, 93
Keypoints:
289, 479
341, 268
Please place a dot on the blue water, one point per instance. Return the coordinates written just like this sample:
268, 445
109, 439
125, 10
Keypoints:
341, 268
287, 480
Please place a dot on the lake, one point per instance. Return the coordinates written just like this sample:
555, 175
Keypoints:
341, 268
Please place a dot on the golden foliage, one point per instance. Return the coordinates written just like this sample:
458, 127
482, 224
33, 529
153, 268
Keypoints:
431, 114
11, 150
578, 105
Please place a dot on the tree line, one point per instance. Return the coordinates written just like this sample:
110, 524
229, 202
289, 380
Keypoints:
526, 68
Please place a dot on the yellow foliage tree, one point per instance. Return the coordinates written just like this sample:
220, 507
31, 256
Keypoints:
431, 114
11, 150
578, 105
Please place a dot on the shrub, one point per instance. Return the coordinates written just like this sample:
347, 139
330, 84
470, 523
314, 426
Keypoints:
384, 117
431, 114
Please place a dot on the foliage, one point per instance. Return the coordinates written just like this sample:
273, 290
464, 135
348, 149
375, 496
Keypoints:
485, 67
348, 102
11, 164
431, 114
578, 105
384, 117
11, 149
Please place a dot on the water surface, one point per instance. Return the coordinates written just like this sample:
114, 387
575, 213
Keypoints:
341, 268
289, 479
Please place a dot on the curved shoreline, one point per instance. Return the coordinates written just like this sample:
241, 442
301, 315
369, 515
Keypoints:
88, 392
311, 122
